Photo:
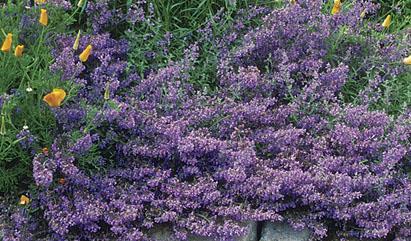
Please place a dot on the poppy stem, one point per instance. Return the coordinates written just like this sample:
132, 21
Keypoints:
40, 40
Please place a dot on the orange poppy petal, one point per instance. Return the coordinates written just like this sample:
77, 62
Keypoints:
24, 200
44, 19
19, 51
7, 43
52, 100
60, 93
55, 98
86, 53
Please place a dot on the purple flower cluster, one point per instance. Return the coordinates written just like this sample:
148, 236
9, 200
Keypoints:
276, 143
26, 139
64, 4
21, 225
106, 67
103, 17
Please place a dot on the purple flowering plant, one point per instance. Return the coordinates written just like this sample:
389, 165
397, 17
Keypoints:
278, 141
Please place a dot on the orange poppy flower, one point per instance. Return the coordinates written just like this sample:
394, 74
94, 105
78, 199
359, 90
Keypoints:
24, 200
86, 53
18, 52
55, 98
337, 7
44, 19
7, 43
387, 22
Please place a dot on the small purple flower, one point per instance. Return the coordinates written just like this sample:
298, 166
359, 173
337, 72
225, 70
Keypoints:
26, 139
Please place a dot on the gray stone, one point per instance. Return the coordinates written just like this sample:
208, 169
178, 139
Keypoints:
282, 232
251, 232
164, 233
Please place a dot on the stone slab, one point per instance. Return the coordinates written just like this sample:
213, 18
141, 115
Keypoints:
164, 233
282, 232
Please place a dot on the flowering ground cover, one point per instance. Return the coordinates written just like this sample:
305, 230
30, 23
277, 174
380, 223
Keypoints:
118, 117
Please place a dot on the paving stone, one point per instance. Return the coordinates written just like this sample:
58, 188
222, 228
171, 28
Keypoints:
251, 232
282, 232
164, 233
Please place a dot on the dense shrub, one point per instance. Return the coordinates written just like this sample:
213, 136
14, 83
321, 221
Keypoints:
276, 142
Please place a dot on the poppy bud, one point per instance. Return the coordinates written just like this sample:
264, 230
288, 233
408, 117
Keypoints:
77, 41
107, 92
363, 13
3, 125
80, 3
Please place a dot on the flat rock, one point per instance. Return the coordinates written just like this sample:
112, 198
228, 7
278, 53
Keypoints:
164, 233
283, 232
251, 232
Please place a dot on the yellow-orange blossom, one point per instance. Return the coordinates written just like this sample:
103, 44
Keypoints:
387, 22
44, 19
55, 98
86, 54
7, 43
24, 200
18, 52
337, 7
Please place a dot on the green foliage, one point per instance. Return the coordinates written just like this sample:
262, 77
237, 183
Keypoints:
181, 20
23, 83
400, 10
396, 91
89, 161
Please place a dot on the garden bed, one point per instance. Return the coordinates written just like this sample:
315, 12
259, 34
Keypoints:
205, 120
